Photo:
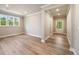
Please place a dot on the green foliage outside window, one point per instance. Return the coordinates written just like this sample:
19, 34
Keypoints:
16, 22
3, 21
59, 24
10, 21
0, 21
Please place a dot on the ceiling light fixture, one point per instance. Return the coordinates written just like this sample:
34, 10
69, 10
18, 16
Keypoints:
57, 9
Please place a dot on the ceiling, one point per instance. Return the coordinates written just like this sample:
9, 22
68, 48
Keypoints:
22, 8
63, 10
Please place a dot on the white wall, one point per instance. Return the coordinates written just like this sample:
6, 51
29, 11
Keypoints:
48, 25
33, 24
75, 28
69, 26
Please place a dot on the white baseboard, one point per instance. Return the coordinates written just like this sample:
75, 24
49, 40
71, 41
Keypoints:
47, 37
73, 50
69, 42
10, 35
42, 40
33, 35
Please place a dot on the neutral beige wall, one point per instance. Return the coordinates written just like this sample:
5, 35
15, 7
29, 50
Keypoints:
48, 25
33, 24
69, 26
4, 31
75, 27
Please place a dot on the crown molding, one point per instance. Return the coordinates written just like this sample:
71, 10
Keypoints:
39, 12
11, 12
50, 6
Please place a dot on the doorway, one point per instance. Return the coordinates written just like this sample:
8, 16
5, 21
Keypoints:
59, 18
59, 24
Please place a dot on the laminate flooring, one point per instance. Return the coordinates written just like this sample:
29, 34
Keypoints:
29, 45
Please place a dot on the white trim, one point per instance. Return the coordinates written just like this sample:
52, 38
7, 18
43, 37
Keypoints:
73, 50
69, 41
10, 35
50, 6
11, 11
45, 5
47, 37
33, 35
42, 40
34, 13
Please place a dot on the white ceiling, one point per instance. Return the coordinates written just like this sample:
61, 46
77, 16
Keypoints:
22, 8
63, 10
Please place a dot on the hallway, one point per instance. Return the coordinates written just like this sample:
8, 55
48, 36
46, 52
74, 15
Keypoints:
60, 43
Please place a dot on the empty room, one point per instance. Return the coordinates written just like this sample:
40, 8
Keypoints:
39, 29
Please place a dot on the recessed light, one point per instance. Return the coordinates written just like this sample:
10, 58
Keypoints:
57, 9
6, 5
59, 14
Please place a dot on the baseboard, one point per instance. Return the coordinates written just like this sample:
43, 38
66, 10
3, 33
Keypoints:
33, 35
50, 35
42, 40
73, 50
10, 35
59, 33
69, 42
47, 37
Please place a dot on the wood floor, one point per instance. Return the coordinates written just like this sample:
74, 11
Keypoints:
28, 45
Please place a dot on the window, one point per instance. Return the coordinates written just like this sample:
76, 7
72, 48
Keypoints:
7, 20
2, 20
16, 21
59, 24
